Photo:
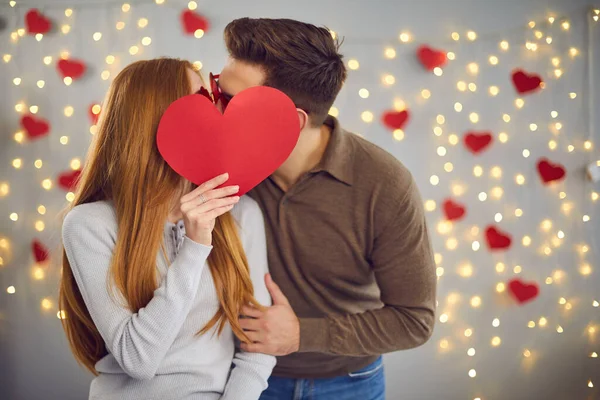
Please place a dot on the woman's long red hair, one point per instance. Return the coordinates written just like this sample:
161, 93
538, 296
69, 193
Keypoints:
124, 165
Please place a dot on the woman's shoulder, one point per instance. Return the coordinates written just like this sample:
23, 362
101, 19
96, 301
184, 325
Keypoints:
97, 215
247, 213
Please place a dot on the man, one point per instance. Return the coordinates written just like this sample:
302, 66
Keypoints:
347, 240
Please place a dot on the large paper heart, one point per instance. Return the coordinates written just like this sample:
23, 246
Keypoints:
73, 69
496, 239
255, 135
193, 21
453, 210
525, 82
395, 119
521, 291
550, 172
476, 142
431, 58
40, 252
68, 180
36, 22
35, 127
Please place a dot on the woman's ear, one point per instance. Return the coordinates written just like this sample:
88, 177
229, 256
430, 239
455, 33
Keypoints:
302, 118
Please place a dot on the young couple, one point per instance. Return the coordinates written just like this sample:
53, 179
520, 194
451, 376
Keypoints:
165, 284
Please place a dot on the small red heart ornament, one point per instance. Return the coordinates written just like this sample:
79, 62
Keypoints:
395, 119
496, 239
35, 127
431, 58
250, 140
68, 180
36, 22
193, 21
476, 142
525, 82
73, 69
453, 210
523, 292
40, 252
94, 116
550, 172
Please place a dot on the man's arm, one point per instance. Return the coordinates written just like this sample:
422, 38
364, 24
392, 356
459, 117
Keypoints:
404, 269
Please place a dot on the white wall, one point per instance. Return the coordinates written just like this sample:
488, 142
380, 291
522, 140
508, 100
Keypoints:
34, 359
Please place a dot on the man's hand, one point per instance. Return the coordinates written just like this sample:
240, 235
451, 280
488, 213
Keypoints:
275, 331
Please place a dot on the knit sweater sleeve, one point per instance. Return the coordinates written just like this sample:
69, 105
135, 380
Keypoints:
251, 371
137, 340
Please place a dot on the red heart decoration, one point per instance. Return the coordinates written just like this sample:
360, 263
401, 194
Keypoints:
36, 22
255, 135
193, 21
523, 292
550, 172
431, 58
73, 69
35, 127
524, 82
395, 119
496, 239
68, 180
94, 117
477, 142
40, 252
453, 211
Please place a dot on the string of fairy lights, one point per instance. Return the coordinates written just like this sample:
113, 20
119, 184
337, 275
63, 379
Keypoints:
538, 36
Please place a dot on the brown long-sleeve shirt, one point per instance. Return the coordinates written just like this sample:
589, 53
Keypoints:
348, 245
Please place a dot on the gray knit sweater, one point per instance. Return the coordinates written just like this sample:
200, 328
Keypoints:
155, 353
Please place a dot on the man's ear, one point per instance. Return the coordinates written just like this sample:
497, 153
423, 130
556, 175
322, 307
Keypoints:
302, 118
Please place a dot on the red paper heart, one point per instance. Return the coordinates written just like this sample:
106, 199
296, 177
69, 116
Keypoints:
496, 239
68, 180
36, 22
453, 211
40, 252
94, 117
523, 292
524, 82
395, 119
73, 69
476, 142
431, 58
193, 21
255, 135
35, 127
550, 172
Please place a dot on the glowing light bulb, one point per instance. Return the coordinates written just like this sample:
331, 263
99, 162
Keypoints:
455, 36
570, 148
142, 22
11, 290
477, 171
70, 196
146, 41
473, 68
398, 134
560, 234
41, 84
503, 137
565, 25
474, 117
493, 60
437, 71
472, 373
533, 127
551, 20
363, 93
75, 163
451, 56
425, 93
434, 180
441, 151
595, 196
500, 287
389, 79
6, 58
61, 314
472, 87
334, 112
517, 269
461, 85
443, 318
587, 145
471, 35
4, 189
404, 37
504, 45
68, 111
68, 12
39, 226
458, 190
133, 50
500, 267
41, 210
585, 269
120, 25
531, 324
586, 218
496, 341
65, 29
448, 167
494, 90
519, 103
17, 163
47, 60
198, 33
506, 117
475, 301
439, 271
17, 81
526, 241
453, 139
573, 52
542, 322
526, 353
471, 352
458, 107
498, 217
430, 205
353, 64
14, 217
367, 116
390, 53
451, 243
125, 7
68, 80
555, 61
468, 332
444, 344
538, 34
105, 75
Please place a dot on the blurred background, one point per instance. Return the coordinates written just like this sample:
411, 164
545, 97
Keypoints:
497, 120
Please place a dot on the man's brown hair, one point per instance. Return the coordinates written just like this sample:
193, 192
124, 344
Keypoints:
300, 59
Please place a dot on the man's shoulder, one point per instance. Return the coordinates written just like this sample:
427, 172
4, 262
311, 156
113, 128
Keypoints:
373, 162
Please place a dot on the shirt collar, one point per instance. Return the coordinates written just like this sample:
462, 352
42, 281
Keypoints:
336, 160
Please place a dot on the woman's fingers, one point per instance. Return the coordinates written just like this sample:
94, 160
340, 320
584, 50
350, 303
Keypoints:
205, 187
205, 198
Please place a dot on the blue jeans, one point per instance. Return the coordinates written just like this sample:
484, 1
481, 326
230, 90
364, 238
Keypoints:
365, 384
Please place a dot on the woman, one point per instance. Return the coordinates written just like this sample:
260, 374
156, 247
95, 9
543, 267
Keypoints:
154, 274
